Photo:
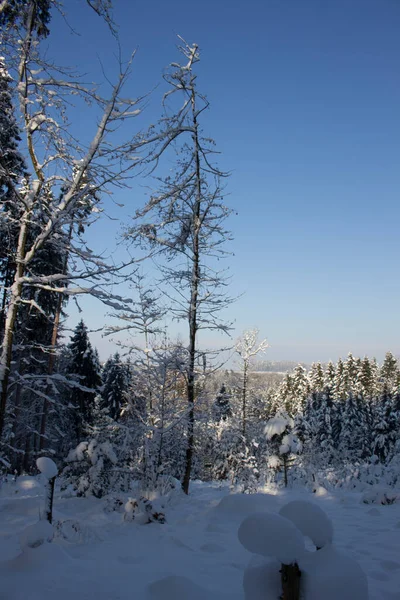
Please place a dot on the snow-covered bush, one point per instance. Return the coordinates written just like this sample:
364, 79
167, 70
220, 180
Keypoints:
114, 504
380, 495
144, 511
91, 469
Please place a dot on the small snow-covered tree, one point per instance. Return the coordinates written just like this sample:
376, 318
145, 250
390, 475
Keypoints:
281, 443
221, 407
247, 347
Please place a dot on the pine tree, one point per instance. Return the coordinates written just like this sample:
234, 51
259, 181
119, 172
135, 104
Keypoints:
84, 367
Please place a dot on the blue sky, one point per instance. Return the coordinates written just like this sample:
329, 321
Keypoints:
305, 98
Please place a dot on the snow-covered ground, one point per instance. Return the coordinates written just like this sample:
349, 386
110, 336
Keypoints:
195, 555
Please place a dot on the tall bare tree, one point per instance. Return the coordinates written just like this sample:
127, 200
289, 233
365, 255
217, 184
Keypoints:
183, 224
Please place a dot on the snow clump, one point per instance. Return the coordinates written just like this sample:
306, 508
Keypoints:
311, 520
47, 467
272, 535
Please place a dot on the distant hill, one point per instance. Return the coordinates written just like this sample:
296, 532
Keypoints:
277, 366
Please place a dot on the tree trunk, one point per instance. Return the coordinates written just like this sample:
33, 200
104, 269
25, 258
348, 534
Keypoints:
244, 397
285, 470
15, 296
194, 291
49, 499
50, 369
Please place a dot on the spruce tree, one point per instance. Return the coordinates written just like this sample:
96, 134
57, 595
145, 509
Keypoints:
339, 383
300, 389
350, 373
316, 377
329, 377
384, 425
389, 371
115, 386
222, 408
323, 441
84, 366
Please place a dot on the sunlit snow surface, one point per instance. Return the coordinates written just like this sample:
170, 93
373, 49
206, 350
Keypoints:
196, 555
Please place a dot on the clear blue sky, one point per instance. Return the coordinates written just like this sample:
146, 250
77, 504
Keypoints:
305, 98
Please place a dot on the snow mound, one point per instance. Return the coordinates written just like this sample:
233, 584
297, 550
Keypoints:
311, 520
45, 559
47, 467
73, 532
271, 535
176, 588
35, 535
262, 579
331, 575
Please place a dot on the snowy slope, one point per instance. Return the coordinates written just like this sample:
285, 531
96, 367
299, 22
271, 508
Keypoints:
196, 555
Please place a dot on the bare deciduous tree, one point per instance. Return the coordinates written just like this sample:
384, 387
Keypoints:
183, 223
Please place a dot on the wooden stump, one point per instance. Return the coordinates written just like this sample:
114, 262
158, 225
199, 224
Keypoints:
290, 577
